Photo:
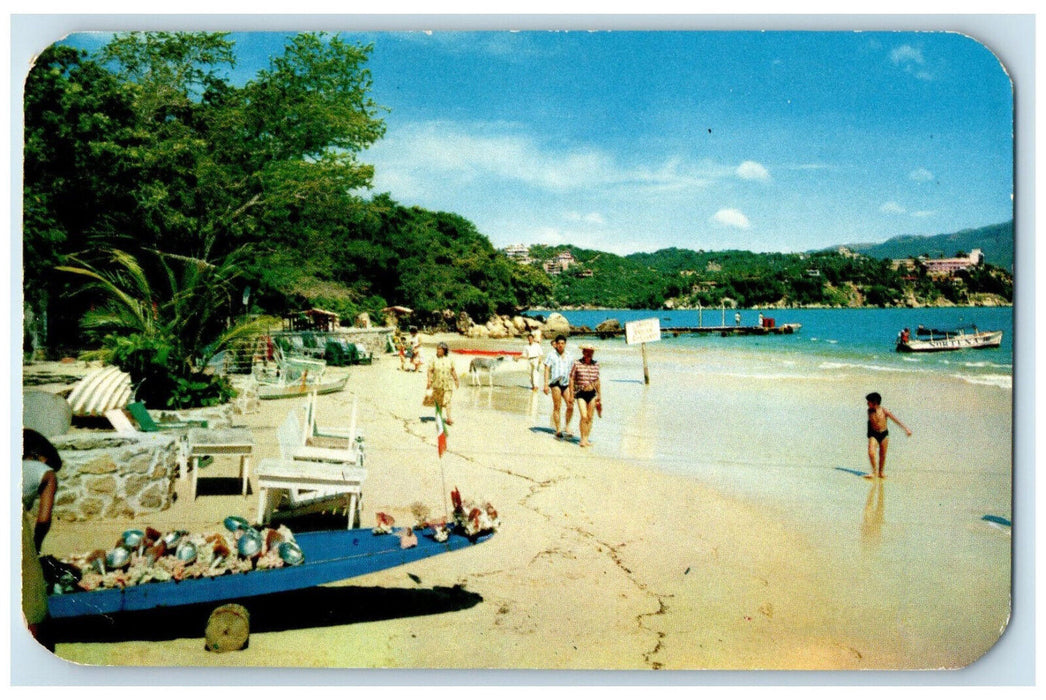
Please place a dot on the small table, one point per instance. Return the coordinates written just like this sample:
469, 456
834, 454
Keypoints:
220, 441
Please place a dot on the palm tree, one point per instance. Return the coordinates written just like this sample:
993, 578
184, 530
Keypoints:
164, 323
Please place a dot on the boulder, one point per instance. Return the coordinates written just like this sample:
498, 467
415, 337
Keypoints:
464, 323
555, 325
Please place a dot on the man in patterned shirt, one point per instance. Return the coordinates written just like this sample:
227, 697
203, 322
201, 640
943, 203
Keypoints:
557, 382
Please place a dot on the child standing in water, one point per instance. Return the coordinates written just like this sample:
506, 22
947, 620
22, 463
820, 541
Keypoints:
878, 435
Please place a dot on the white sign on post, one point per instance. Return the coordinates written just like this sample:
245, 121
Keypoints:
647, 330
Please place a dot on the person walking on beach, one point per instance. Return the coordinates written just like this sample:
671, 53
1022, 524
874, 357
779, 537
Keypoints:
443, 379
558, 363
878, 435
532, 354
414, 353
40, 461
584, 385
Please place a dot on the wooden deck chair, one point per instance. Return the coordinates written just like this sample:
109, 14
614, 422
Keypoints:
309, 486
294, 444
314, 432
148, 425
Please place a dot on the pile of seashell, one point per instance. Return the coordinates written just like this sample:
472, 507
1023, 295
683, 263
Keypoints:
468, 519
144, 556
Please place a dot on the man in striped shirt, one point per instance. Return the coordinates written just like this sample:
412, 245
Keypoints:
557, 382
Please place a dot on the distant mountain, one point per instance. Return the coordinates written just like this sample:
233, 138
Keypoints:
995, 241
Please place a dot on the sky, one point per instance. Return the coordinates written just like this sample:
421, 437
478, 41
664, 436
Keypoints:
632, 141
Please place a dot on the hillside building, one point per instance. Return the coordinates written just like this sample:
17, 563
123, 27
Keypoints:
949, 266
559, 264
520, 253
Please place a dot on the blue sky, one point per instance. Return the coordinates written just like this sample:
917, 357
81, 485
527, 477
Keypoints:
630, 141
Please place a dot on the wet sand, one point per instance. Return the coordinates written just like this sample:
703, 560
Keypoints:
719, 522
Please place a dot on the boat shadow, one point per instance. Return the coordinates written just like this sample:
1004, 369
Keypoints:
278, 612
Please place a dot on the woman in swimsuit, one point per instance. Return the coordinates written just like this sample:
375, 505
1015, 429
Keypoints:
584, 385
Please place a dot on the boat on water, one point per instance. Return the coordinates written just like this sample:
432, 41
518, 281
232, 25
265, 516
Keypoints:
934, 340
296, 376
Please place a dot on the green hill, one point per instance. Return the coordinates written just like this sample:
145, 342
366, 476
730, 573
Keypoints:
995, 241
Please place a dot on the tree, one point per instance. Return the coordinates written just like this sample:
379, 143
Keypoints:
146, 146
162, 327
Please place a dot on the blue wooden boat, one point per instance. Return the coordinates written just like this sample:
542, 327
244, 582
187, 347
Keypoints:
329, 556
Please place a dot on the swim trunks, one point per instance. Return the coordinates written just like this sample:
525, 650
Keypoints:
586, 396
879, 435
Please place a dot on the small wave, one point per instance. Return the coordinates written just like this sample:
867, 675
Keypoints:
862, 366
993, 365
1003, 381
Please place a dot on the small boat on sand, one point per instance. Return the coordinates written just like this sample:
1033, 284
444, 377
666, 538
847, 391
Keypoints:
934, 340
323, 557
297, 376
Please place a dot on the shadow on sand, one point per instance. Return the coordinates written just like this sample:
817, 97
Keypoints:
303, 609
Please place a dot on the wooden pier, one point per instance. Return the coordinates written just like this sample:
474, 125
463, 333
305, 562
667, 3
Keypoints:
723, 331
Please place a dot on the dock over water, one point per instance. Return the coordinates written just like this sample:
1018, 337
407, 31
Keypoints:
724, 331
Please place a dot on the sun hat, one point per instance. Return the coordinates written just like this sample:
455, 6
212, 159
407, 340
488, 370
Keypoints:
587, 346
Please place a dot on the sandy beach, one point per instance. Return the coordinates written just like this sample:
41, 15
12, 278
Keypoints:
720, 524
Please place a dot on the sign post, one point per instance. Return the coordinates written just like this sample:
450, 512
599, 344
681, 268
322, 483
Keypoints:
647, 330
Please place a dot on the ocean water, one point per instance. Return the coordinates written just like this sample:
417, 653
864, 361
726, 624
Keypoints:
834, 338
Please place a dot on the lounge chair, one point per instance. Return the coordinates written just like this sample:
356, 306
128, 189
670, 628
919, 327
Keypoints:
309, 486
325, 435
148, 425
310, 476
363, 355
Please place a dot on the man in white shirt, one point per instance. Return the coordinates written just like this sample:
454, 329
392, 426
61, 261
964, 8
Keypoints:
557, 382
532, 354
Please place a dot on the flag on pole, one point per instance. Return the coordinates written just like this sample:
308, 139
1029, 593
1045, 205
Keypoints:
441, 432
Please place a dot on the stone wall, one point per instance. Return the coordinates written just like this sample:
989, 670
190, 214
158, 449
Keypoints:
104, 475
107, 475
375, 339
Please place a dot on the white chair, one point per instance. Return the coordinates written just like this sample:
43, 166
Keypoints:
310, 476
309, 486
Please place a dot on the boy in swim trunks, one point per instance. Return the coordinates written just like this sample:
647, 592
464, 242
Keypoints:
878, 435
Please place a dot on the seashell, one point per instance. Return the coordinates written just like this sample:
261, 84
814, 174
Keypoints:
250, 543
172, 538
156, 551
291, 553
118, 558
272, 539
186, 552
133, 538
235, 522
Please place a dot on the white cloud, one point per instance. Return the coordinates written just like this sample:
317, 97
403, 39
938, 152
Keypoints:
892, 208
751, 170
911, 60
923, 214
920, 175
425, 158
905, 54
733, 218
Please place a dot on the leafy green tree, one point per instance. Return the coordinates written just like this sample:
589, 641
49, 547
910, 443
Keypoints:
163, 326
